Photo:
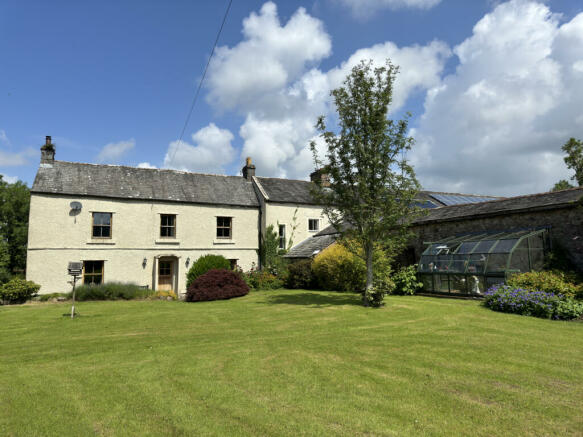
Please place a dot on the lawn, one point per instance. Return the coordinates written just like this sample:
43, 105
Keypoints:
287, 363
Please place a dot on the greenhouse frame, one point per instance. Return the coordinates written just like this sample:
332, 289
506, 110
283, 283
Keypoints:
472, 263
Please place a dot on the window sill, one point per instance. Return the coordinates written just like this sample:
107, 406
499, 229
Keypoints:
223, 241
103, 241
167, 241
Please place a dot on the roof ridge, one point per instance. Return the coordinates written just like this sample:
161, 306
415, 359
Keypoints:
151, 169
283, 179
522, 196
461, 194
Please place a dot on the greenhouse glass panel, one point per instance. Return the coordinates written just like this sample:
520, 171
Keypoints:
472, 263
484, 246
426, 263
466, 247
443, 283
477, 263
505, 246
458, 284
497, 262
537, 259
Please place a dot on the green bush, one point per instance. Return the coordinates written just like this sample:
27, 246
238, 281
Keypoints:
110, 291
406, 282
204, 264
300, 275
47, 297
553, 281
374, 297
262, 280
18, 291
335, 268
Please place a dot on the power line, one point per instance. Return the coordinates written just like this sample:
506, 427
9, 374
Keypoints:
201, 81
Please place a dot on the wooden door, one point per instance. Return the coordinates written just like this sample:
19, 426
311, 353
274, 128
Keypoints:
165, 274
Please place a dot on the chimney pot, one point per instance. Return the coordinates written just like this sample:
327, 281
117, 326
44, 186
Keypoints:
47, 153
320, 177
249, 169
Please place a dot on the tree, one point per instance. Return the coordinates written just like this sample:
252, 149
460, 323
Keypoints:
372, 189
562, 185
574, 159
14, 207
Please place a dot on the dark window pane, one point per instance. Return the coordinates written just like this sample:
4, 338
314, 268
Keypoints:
466, 247
504, 246
484, 246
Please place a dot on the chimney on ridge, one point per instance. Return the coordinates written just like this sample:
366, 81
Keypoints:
47, 153
249, 169
320, 177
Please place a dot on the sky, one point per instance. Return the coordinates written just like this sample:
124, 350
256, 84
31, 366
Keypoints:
495, 88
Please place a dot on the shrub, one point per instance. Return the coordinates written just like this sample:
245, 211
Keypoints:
47, 297
262, 280
300, 275
553, 281
163, 295
406, 281
374, 297
204, 264
335, 268
110, 291
216, 284
532, 303
18, 291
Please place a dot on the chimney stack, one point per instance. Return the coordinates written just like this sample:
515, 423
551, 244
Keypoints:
47, 153
320, 177
249, 169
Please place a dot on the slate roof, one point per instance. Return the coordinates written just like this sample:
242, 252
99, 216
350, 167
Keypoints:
306, 248
143, 183
286, 190
532, 202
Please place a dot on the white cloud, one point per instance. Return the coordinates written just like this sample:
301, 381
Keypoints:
270, 56
113, 152
14, 159
496, 126
272, 78
10, 179
146, 165
366, 8
211, 152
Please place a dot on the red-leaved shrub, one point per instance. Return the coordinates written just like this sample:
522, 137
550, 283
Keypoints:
216, 284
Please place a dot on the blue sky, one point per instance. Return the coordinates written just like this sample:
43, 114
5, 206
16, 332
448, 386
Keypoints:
495, 88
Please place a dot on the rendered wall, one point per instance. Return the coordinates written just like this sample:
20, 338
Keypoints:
57, 236
283, 213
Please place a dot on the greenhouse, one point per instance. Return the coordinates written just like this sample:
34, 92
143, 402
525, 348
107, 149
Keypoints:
471, 263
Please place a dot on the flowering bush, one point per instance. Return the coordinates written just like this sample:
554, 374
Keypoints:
552, 281
542, 304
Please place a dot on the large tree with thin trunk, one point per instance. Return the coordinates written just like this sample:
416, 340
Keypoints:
372, 186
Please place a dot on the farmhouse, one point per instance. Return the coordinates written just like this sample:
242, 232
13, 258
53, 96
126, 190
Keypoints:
147, 225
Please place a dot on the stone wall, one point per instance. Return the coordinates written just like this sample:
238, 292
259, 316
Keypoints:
566, 228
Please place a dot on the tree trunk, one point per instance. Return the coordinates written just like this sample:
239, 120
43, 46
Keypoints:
369, 272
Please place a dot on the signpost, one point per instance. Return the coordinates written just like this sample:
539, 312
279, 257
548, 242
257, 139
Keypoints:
75, 270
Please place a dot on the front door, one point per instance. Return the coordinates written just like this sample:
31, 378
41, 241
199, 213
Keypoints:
165, 274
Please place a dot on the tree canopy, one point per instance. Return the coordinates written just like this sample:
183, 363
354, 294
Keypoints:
574, 159
372, 186
14, 207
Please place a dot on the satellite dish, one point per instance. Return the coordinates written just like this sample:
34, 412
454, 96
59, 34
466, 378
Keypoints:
75, 206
